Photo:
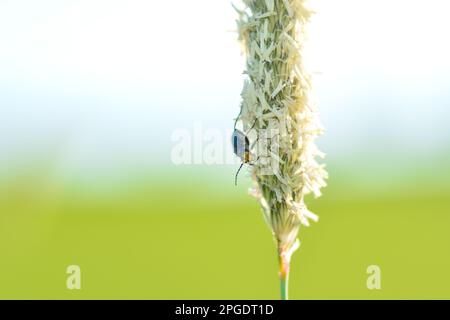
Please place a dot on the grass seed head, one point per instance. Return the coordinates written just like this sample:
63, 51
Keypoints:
276, 106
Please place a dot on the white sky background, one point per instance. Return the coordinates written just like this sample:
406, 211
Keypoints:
105, 82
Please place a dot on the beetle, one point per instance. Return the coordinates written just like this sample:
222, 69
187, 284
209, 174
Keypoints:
241, 148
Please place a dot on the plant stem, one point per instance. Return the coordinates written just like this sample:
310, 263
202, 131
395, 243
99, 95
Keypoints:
284, 274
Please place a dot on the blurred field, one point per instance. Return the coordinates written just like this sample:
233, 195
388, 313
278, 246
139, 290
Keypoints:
183, 237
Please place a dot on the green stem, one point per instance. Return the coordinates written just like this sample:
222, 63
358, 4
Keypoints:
284, 282
284, 275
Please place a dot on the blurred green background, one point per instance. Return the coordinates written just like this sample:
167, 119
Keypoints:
91, 93
186, 237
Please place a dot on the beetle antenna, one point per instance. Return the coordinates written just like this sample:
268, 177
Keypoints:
237, 173
237, 118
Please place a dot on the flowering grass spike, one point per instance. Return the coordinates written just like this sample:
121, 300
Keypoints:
280, 120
